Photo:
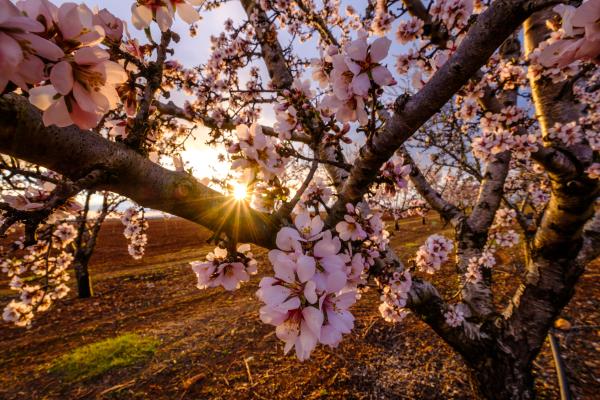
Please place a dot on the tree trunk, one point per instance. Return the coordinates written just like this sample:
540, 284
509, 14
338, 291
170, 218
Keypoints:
84, 281
503, 378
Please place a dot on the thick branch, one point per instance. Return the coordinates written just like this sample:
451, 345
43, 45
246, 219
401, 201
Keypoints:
552, 267
591, 240
74, 153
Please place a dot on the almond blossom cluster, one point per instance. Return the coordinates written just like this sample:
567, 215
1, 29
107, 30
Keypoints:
355, 72
424, 55
433, 253
396, 172
35, 196
568, 134
224, 268
394, 296
453, 13
286, 110
382, 21
503, 132
316, 194
364, 229
143, 12
593, 171
62, 52
256, 154
455, 315
22, 51
39, 275
308, 298
136, 226
501, 236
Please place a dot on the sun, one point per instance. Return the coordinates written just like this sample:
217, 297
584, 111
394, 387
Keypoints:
240, 191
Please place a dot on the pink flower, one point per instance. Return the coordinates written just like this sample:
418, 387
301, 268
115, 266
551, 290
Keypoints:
593, 171
433, 253
82, 89
284, 295
163, 11
364, 62
395, 296
21, 48
230, 275
41, 10
113, 26
354, 73
339, 320
301, 330
346, 110
224, 269
258, 153
349, 229
331, 275
455, 316
582, 36
308, 227
76, 25
204, 272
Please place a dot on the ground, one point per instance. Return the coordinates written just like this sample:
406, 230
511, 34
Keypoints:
213, 346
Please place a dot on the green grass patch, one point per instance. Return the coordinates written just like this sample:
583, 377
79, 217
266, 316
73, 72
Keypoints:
95, 359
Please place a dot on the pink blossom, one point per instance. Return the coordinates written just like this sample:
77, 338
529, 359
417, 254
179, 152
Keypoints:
258, 153
230, 275
455, 316
163, 12
339, 320
433, 253
349, 229
569, 133
113, 26
76, 25
582, 36
21, 50
395, 295
82, 89
593, 171
354, 73
224, 269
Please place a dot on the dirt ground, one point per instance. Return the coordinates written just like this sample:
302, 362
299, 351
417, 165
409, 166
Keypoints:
213, 346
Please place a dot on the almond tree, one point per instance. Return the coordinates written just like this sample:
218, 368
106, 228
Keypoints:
88, 229
89, 104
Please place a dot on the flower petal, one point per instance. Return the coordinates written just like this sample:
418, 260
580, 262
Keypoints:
61, 77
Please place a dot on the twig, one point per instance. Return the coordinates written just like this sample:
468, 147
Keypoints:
248, 369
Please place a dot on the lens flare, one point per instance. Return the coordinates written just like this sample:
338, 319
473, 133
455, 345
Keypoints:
240, 191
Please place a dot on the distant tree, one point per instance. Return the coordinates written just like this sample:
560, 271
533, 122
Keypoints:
84, 244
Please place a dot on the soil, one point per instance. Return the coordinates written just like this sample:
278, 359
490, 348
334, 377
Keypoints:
213, 346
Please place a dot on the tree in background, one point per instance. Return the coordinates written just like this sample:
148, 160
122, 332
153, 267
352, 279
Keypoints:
88, 228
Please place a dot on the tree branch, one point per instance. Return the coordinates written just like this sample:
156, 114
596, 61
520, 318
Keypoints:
447, 210
489, 31
73, 153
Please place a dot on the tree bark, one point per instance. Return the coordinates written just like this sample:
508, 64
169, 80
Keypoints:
84, 280
502, 376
